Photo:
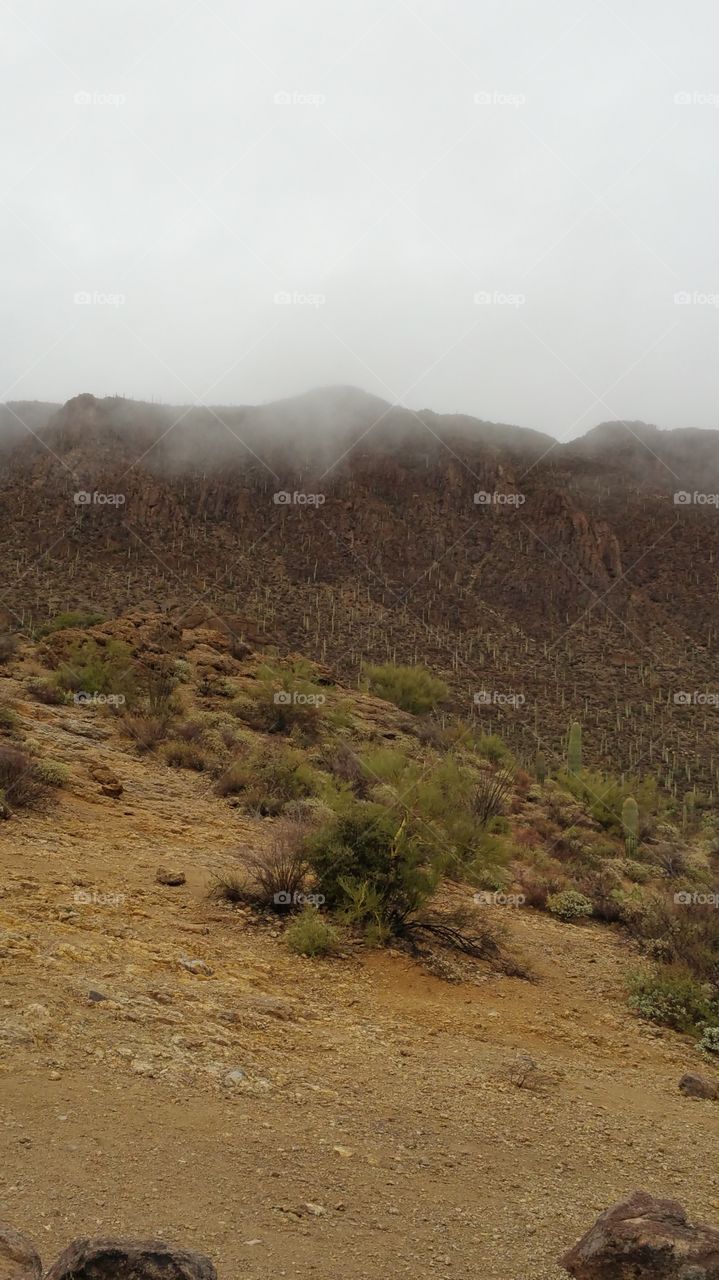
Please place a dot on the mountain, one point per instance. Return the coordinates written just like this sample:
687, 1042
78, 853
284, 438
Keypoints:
561, 580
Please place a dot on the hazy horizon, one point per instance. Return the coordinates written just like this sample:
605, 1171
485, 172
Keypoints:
504, 214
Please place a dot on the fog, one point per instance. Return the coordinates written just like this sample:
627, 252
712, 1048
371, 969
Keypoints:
502, 210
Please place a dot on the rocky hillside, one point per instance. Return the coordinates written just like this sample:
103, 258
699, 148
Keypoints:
545, 582
171, 1069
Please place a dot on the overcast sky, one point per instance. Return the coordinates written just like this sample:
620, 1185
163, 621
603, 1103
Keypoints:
471, 205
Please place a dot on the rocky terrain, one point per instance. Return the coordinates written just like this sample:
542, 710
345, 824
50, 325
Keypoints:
339, 526
170, 1070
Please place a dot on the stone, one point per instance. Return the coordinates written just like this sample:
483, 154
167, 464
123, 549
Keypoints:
110, 784
644, 1238
169, 876
19, 1259
693, 1086
235, 1077
195, 966
110, 1259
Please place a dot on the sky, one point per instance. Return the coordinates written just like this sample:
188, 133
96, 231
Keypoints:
501, 209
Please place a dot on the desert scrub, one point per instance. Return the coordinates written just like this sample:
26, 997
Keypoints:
188, 755
709, 1042
569, 905
412, 689
493, 748
94, 668
42, 689
21, 786
310, 935
268, 779
372, 865
71, 619
672, 997
148, 731
8, 646
52, 773
285, 700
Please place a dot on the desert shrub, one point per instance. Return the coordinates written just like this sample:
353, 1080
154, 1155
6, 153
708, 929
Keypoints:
8, 646
21, 786
230, 885
569, 905
709, 1042
188, 755
46, 691
413, 689
346, 766
493, 748
160, 686
71, 619
310, 935
603, 796
285, 700
491, 794
148, 731
269, 778
93, 668
192, 730
671, 996
9, 723
371, 863
52, 773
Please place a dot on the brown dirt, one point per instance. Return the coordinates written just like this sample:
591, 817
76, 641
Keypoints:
373, 1092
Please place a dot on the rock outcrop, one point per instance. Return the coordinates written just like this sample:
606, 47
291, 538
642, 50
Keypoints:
644, 1238
19, 1260
129, 1260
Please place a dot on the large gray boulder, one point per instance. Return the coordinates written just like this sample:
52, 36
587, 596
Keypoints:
643, 1238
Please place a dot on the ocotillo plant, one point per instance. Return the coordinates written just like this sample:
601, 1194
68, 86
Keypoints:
630, 823
574, 751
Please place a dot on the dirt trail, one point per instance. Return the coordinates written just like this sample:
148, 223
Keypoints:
374, 1093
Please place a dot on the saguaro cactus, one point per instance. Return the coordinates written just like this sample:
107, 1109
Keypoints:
540, 767
630, 823
574, 751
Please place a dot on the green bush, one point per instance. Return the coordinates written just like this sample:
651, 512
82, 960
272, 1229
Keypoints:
46, 691
94, 668
269, 778
672, 997
569, 904
371, 864
72, 619
493, 748
310, 935
52, 773
285, 700
709, 1042
413, 689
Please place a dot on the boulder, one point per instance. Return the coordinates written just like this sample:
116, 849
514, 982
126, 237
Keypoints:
169, 876
19, 1259
644, 1238
698, 1087
109, 1259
